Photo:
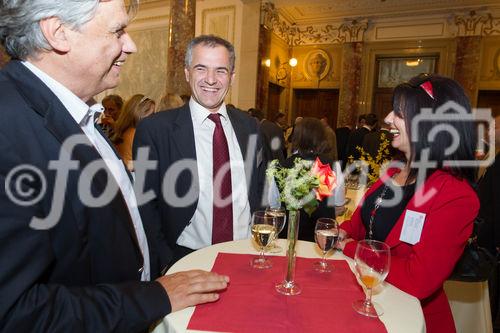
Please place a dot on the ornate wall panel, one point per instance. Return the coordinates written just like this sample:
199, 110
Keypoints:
144, 72
490, 64
219, 21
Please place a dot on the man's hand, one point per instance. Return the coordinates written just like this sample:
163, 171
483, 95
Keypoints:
192, 287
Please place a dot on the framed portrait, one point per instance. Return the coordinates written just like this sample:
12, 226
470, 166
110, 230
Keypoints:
317, 64
393, 71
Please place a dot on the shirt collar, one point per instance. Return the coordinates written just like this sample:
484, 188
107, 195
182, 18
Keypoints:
75, 106
199, 114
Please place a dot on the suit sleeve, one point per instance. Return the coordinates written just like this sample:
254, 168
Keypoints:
28, 304
159, 250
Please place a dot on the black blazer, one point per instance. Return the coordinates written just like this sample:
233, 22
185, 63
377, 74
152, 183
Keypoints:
169, 136
81, 275
356, 139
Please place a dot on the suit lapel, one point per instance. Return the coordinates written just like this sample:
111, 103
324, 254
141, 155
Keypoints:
183, 133
59, 122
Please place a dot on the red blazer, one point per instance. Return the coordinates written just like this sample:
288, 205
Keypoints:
421, 269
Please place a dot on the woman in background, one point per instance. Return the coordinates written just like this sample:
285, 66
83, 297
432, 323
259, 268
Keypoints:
135, 109
310, 142
433, 206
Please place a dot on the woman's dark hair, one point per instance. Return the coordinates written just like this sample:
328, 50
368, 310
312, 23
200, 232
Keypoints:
444, 100
309, 136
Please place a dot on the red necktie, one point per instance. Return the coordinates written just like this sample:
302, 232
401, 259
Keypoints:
222, 223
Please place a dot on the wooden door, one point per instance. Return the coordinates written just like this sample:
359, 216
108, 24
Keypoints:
489, 99
317, 103
273, 101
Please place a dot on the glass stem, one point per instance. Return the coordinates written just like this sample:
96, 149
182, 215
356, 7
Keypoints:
262, 253
368, 299
323, 260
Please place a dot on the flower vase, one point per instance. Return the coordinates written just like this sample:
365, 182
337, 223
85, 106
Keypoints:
289, 286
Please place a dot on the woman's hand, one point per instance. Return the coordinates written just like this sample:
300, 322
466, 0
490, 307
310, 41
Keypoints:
342, 243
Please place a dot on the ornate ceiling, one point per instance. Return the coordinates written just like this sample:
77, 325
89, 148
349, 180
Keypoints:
322, 11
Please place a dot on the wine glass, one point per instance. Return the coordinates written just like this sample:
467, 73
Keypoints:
263, 231
326, 234
279, 214
372, 261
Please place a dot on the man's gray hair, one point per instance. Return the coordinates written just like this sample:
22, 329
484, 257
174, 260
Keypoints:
20, 31
210, 41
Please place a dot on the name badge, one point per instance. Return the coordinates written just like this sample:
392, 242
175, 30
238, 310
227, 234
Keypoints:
412, 227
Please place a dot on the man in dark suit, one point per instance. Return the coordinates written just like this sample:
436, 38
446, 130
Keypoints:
73, 252
273, 136
356, 137
208, 204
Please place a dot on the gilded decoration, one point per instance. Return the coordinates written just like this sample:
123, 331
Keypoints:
474, 24
293, 35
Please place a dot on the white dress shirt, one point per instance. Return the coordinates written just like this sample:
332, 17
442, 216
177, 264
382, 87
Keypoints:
78, 109
198, 233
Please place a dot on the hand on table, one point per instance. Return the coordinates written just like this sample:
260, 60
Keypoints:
193, 287
343, 240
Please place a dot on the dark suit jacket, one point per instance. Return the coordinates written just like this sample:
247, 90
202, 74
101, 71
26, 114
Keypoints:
356, 139
170, 138
81, 275
489, 230
342, 134
271, 132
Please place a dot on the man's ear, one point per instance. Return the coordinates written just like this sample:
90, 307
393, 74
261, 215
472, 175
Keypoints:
186, 72
55, 33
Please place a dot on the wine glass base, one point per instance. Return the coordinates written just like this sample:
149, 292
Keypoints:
261, 263
274, 248
374, 311
322, 267
288, 288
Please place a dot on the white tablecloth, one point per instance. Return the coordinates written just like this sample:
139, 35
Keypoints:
402, 312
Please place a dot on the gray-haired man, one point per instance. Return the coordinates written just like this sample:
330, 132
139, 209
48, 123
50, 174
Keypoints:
67, 265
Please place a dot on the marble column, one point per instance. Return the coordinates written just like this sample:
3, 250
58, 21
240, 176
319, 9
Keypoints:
264, 52
467, 66
350, 83
4, 58
181, 31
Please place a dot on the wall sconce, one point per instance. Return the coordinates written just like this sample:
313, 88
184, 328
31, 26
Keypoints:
292, 62
267, 62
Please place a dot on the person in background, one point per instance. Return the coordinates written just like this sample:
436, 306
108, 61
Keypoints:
280, 120
169, 101
342, 135
272, 135
66, 265
356, 137
489, 229
332, 138
223, 149
423, 212
112, 108
310, 142
372, 141
136, 108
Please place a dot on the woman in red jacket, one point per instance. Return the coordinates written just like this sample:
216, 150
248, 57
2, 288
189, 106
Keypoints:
423, 208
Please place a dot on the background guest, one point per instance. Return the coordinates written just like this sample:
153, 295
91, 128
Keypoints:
169, 101
356, 137
309, 142
444, 201
136, 108
332, 139
112, 108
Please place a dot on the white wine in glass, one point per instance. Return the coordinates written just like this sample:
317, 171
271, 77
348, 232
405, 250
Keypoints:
326, 234
279, 214
263, 232
372, 261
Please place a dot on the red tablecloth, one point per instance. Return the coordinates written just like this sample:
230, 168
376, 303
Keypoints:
251, 304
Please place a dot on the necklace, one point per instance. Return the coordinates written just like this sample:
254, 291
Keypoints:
378, 202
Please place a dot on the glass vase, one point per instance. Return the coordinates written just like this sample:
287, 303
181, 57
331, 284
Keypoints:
289, 286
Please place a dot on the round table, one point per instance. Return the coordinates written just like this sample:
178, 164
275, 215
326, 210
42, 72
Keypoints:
403, 312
